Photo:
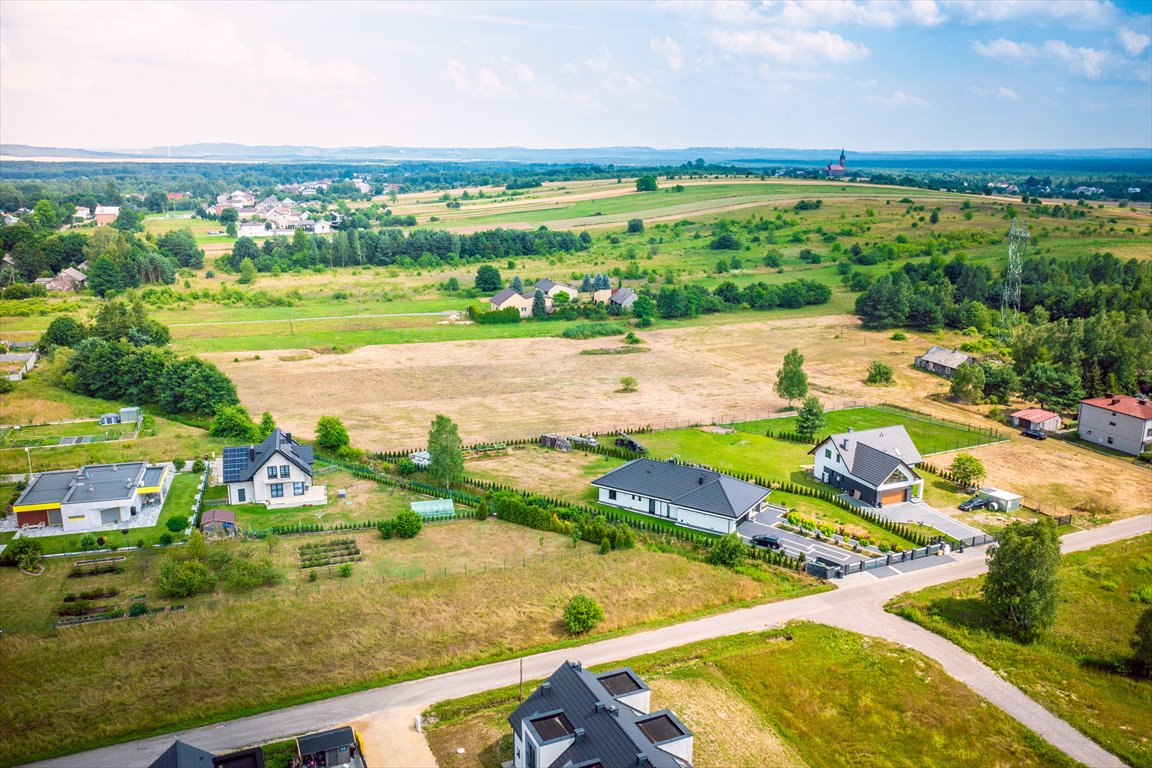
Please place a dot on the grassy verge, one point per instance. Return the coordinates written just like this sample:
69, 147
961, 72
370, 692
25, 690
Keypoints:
1079, 669
456, 613
803, 695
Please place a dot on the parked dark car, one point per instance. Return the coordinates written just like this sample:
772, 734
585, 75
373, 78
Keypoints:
974, 503
1035, 434
764, 540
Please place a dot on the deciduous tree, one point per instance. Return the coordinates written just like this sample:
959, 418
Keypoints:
967, 469
1021, 589
810, 419
445, 449
488, 279
331, 435
968, 384
791, 381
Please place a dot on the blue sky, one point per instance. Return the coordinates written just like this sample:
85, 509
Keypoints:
916, 75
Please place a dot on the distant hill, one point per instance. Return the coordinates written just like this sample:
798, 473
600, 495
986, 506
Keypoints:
1133, 160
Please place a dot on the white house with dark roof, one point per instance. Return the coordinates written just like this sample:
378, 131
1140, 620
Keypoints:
277, 472
581, 719
943, 361
552, 289
688, 496
874, 466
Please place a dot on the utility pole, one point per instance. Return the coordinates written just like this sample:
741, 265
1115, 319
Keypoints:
521, 678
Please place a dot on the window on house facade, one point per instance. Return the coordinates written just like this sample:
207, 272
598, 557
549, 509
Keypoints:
284, 470
1109, 441
827, 453
612, 495
271, 472
276, 489
1111, 423
298, 489
240, 496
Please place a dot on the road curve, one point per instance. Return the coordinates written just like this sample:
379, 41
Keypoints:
858, 605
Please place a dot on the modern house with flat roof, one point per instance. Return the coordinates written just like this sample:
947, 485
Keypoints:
337, 747
91, 497
277, 472
689, 496
1120, 422
580, 718
874, 466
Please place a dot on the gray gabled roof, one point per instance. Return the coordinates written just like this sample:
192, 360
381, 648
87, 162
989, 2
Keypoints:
610, 737
873, 454
545, 284
622, 295
181, 755
503, 296
949, 358
700, 489
241, 462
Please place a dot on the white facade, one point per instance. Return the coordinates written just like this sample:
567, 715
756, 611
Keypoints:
690, 518
252, 229
277, 479
1119, 431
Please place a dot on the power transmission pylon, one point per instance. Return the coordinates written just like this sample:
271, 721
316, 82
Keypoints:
1010, 299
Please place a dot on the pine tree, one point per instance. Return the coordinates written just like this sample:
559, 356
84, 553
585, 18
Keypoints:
811, 419
517, 284
539, 307
586, 286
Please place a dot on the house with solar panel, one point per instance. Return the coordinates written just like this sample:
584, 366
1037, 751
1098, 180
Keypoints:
582, 719
875, 466
689, 496
277, 472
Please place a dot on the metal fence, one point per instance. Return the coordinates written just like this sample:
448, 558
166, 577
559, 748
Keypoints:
828, 571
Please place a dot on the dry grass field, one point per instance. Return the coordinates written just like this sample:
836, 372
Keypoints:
398, 616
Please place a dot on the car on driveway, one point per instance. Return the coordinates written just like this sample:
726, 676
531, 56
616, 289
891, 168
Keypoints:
764, 540
974, 503
1035, 434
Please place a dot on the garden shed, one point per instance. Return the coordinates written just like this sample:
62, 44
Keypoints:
1001, 501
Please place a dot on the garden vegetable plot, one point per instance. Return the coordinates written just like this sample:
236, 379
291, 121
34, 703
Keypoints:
333, 552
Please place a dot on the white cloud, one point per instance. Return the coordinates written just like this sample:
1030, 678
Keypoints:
523, 73
866, 83
1133, 43
811, 13
1089, 62
488, 83
668, 49
483, 82
900, 99
1090, 13
788, 45
999, 92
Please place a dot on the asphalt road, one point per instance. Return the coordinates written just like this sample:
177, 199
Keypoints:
793, 544
856, 605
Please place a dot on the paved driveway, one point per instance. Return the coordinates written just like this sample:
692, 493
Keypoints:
919, 512
794, 543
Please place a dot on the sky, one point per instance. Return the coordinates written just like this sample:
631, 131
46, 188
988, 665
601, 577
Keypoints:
870, 76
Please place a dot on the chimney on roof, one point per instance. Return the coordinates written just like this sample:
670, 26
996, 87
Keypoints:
576, 665
641, 759
1109, 394
700, 480
91, 489
600, 706
579, 733
251, 453
614, 710
1142, 401
1115, 401
545, 686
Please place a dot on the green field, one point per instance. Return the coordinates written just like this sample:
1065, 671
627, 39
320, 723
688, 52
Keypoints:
929, 435
1078, 670
50, 434
802, 695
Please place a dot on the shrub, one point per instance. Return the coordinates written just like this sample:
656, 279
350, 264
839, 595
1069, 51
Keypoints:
176, 523
178, 464
87, 541
198, 466
728, 551
166, 539
387, 528
883, 546
482, 510
345, 570
183, 578
591, 330
138, 609
405, 466
24, 553
312, 576
407, 524
879, 373
605, 546
628, 384
1142, 644
581, 614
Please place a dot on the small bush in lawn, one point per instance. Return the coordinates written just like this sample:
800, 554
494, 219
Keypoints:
138, 609
198, 466
312, 576
899, 336
883, 546
387, 528
25, 553
87, 541
179, 464
408, 524
166, 539
176, 524
406, 466
345, 570
581, 614
605, 546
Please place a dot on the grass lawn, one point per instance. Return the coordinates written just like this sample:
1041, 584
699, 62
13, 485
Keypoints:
394, 623
366, 500
181, 497
929, 436
50, 434
802, 695
1078, 669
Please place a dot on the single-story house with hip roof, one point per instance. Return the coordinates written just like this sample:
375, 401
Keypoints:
943, 361
624, 298
90, 497
1037, 418
277, 472
874, 466
1120, 422
521, 301
551, 288
581, 719
688, 496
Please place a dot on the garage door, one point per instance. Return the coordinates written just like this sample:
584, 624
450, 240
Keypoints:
893, 497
